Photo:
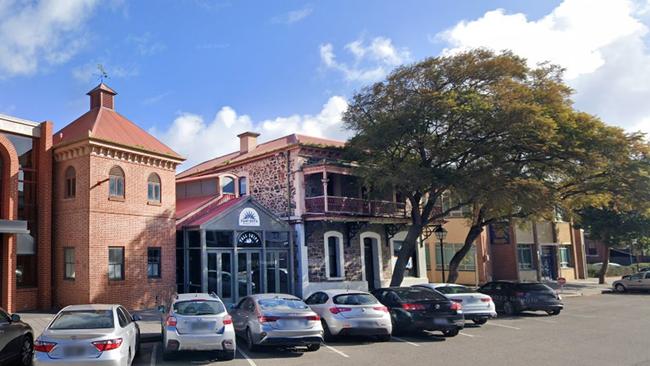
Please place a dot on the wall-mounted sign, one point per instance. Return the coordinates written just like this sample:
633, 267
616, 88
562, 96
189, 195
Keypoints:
249, 239
500, 233
249, 217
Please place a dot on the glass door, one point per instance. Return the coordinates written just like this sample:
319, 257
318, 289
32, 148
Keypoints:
277, 272
220, 274
249, 273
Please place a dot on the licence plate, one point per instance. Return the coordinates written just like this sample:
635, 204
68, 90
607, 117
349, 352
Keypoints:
440, 321
74, 351
292, 323
369, 324
201, 326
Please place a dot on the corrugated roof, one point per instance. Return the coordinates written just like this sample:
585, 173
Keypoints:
210, 211
261, 149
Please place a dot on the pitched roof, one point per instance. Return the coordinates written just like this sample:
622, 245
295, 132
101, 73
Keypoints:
105, 124
209, 212
277, 144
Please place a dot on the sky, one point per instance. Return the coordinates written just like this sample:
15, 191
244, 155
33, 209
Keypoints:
195, 73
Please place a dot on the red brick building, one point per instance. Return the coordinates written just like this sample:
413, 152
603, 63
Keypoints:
88, 213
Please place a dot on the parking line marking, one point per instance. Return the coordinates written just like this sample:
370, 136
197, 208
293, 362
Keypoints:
154, 351
250, 361
336, 351
581, 316
503, 326
405, 341
466, 335
544, 321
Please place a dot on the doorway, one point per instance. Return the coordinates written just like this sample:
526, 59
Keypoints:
220, 274
549, 267
249, 273
369, 255
277, 271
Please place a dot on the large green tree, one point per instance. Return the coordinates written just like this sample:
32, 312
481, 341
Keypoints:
447, 123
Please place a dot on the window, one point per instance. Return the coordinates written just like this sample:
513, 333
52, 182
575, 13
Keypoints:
227, 185
449, 200
68, 263
153, 262
26, 261
70, 188
565, 256
122, 318
116, 182
153, 188
467, 264
412, 265
525, 256
334, 255
243, 185
427, 254
116, 263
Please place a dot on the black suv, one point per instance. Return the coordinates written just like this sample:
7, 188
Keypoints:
515, 297
16, 340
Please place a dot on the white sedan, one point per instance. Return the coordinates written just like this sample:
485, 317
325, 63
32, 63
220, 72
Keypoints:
477, 307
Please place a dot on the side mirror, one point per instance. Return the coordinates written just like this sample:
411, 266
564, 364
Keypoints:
15, 317
161, 309
232, 306
136, 317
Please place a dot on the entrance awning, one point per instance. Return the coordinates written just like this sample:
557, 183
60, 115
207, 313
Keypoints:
13, 227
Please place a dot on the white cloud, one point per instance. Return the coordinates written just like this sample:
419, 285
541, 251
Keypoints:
370, 63
198, 140
145, 44
32, 32
293, 16
601, 43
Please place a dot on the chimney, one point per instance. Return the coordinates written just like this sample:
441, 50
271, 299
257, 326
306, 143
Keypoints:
102, 96
247, 141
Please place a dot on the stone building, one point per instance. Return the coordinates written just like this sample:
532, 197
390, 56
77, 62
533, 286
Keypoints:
342, 234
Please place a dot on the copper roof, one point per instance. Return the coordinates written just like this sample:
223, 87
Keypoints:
107, 125
102, 87
277, 144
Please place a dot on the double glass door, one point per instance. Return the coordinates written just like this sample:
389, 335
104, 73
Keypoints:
277, 271
249, 273
220, 274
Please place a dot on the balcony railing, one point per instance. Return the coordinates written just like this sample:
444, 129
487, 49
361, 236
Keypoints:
354, 206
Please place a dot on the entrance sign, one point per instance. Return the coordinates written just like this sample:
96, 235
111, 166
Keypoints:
249, 217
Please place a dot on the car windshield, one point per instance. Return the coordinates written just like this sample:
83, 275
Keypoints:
455, 290
199, 307
355, 299
282, 304
416, 294
84, 319
534, 287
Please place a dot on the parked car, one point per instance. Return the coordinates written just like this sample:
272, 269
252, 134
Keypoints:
515, 297
345, 312
635, 282
16, 340
198, 322
419, 309
477, 307
277, 320
89, 334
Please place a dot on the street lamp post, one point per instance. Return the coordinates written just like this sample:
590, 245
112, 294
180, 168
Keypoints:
441, 233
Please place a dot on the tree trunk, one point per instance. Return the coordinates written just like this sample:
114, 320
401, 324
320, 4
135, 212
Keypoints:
473, 233
408, 247
603, 269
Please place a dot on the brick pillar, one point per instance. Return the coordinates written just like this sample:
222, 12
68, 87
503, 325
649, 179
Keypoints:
8, 211
9, 272
44, 197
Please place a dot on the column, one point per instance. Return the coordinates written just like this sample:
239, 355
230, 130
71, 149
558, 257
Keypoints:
204, 263
324, 181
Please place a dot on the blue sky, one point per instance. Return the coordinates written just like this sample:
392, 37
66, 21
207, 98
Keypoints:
196, 73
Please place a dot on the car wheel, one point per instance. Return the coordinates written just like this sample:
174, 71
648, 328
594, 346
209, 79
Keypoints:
383, 338
450, 333
313, 347
553, 312
620, 288
327, 335
480, 321
226, 355
250, 344
26, 351
509, 308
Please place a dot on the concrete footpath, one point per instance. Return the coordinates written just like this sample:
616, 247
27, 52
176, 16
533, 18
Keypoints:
586, 287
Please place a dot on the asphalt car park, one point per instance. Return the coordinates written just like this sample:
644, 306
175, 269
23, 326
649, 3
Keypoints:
608, 329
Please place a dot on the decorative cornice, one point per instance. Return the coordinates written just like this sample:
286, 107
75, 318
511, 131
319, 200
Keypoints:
101, 149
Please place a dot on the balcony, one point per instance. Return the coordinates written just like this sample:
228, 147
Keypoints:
354, 206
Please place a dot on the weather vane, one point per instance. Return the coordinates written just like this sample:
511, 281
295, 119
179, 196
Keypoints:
102, 73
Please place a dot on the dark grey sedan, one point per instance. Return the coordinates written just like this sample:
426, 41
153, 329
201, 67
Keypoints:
16, 340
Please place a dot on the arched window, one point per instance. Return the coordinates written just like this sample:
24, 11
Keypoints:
334, 259
70, 189
153, 188
227, 185
116, 182
243, 186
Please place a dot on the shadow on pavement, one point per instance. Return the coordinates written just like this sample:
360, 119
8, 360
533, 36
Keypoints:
269, 352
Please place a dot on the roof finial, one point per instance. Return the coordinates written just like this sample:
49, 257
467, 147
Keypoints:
102, 73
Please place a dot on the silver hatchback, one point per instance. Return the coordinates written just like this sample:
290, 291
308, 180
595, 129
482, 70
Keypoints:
198, 322
82, 335
277, 320
345, 312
